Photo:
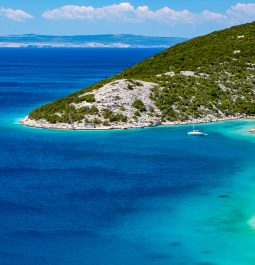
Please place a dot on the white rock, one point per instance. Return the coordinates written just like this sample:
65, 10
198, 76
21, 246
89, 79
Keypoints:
236, 51
187, 73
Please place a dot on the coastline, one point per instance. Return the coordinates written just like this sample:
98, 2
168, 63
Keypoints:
42, 124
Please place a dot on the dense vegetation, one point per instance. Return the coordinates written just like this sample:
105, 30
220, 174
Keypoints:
223, 82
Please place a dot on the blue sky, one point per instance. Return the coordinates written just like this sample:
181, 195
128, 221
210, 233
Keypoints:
154, 17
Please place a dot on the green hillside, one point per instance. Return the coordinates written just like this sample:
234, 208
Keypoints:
208, 75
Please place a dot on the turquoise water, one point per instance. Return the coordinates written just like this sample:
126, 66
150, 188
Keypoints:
142, 196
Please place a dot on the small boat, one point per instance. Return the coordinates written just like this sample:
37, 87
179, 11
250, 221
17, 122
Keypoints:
196, 132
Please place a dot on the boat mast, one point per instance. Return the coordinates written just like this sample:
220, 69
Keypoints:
70, 120
193, 122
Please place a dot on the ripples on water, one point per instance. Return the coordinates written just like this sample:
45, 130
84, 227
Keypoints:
151, 196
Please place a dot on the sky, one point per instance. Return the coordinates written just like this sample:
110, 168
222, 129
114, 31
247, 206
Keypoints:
171, 18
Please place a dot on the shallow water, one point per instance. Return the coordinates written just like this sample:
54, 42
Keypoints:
144, 196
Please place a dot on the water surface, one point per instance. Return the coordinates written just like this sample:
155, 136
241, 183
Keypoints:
145, 196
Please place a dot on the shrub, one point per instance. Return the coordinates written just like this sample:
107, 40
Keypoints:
130, 87
138, 104
151, 109
89, 98
137, 113
97, 121
118, 117
107, 113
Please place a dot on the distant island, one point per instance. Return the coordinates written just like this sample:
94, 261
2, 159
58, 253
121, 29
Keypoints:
205, 79
87, 41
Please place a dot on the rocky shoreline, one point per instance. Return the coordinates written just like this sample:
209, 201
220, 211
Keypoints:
43, 124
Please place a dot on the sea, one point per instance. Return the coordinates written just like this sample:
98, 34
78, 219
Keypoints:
152, 196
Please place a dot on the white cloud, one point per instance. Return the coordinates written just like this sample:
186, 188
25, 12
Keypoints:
241, 13
238, 13
119, 12
169, 14
207, 15
90, 13
15, 14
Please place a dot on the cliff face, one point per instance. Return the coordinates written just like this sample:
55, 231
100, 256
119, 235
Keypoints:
210, 77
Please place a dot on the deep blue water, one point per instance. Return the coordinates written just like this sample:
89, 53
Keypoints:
145, 196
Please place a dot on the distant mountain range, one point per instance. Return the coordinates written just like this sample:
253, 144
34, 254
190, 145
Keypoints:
87, 41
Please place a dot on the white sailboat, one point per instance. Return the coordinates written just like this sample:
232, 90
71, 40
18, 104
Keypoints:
196, 132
